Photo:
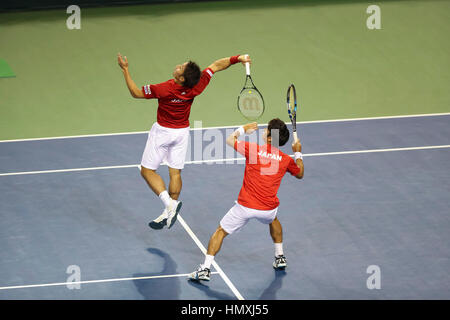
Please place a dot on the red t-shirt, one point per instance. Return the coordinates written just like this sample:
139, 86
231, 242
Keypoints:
174, 101
265, 166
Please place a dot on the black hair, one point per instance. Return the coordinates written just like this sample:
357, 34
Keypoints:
191, 74
283, 131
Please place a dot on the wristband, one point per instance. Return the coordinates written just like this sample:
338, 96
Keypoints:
234, 59
241, 130
298, 155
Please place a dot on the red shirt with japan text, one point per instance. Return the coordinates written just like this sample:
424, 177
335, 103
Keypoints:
265, 166
174, 100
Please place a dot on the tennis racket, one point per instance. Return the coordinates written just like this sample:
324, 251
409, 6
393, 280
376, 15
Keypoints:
291, 99
250, 101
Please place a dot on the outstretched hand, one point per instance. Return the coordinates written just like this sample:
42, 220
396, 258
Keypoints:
123, 61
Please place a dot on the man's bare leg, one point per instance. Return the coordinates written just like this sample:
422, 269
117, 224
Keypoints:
215, 242
175, 183
154, 180
276, 232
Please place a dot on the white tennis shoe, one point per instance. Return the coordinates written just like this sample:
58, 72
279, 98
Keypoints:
200, 274
159, 222
280, 262
172, 212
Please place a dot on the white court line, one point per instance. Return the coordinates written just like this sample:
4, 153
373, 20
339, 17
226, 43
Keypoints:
68, 170
375, 150
226, 127
94, 281
214, 263
231, 159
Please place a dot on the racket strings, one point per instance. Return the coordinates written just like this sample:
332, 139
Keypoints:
250, 100
292, 108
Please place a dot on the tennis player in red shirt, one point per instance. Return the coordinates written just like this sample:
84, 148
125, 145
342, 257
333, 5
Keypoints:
168, 138
265, 166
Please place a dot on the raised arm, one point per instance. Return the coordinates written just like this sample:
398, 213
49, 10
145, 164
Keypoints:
247, 128
224, 63
297, 149
135, 91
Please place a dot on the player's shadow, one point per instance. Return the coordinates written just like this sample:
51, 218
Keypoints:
163, 288
270, 293
210, 292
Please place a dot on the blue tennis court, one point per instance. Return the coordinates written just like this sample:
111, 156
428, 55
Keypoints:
375, 192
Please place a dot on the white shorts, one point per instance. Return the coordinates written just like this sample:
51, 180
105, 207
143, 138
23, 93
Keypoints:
238, 216
165, 145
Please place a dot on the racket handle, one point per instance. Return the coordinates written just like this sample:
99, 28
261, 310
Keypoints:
295, 136
247, 66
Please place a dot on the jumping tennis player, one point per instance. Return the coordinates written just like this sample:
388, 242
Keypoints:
169, 136
265, 166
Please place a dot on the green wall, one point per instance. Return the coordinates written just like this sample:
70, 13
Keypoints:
68, 81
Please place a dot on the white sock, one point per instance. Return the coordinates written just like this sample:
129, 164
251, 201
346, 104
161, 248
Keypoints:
208, 261
165, 198
278, 249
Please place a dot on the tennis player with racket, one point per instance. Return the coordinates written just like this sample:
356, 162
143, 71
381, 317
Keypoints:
265, 167
168, 137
